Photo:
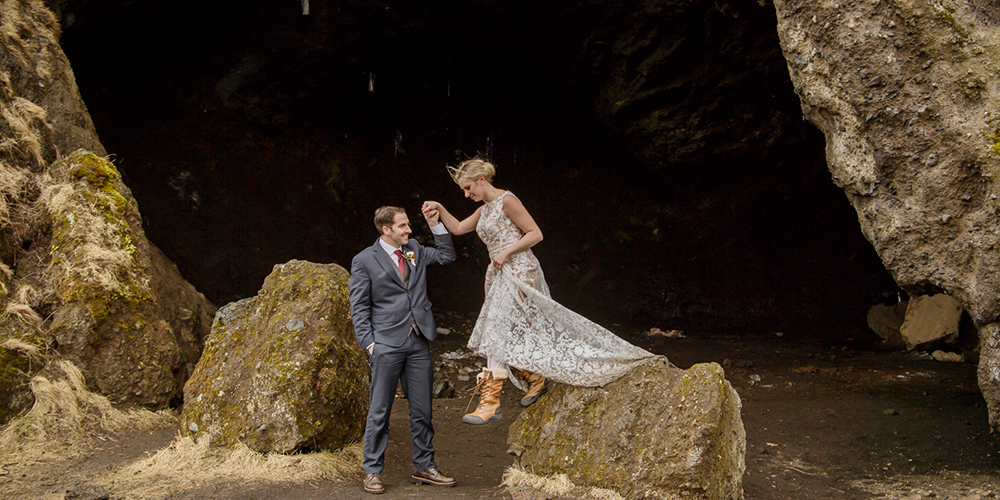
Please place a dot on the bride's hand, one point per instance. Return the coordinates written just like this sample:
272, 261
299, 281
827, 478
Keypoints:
430, 206
500, 259
432, 217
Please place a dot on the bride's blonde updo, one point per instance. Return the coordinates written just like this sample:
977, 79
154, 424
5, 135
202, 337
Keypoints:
472, 169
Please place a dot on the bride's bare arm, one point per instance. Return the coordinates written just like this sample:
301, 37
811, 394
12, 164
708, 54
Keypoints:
522, 219
454, 225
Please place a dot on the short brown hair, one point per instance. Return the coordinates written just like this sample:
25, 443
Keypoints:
385, 215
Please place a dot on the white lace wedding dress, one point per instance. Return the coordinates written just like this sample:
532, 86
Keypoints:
520, 325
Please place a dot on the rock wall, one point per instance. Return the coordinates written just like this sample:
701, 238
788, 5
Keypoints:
78, 279
906, 93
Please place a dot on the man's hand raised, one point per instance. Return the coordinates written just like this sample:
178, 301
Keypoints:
432, 217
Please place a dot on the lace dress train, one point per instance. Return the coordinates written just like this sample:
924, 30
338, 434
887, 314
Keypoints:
521, 326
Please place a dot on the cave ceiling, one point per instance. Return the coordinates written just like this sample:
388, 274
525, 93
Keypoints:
660, 146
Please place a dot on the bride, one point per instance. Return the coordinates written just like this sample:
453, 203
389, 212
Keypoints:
522, 332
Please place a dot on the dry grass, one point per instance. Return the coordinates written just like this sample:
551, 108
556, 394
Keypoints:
187, 463
22, 116
19, 306
30, 351
65, 408
19, 206
13, 187
30, 16
11, 22
6, 274
93, 251
557, 485
6, 89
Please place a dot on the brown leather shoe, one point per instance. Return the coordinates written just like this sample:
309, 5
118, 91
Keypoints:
373, 484
433, 476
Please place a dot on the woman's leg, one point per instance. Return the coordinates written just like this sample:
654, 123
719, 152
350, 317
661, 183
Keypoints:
537, 387
489, 383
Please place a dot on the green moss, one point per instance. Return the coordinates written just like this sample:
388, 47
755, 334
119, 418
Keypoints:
322, 391
101, 198
98, 172
995, 137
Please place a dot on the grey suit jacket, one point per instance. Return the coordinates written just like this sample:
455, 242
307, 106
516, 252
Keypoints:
382, 304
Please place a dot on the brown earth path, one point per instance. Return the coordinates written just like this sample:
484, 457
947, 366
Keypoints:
846, 421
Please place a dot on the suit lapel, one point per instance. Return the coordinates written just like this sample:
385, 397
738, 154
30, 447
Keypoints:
386, 262
409, 271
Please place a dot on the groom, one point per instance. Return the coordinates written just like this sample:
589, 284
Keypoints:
393, 322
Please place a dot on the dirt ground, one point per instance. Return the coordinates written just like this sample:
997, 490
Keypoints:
836, 421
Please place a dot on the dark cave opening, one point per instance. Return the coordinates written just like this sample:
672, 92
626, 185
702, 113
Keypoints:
251, 135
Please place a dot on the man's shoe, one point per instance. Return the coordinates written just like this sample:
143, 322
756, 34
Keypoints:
373, 484
433, 476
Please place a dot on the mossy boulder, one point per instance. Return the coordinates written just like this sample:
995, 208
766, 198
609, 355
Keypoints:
658, 432
107, 314
282, 371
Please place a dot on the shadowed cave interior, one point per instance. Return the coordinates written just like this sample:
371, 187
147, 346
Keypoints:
252, 134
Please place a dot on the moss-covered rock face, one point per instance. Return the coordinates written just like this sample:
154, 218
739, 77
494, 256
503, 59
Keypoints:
282, 371
658, 432
107, 318
77, 275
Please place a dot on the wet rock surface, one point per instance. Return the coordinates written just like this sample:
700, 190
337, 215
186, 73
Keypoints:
282, 371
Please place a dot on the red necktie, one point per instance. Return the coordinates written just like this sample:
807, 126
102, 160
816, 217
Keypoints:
399, 256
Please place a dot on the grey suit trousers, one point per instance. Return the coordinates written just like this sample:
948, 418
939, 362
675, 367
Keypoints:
411, 361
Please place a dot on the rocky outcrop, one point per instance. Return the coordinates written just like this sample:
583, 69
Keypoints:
184, 308
79, 278
87, 266
906, 94
658, 432
282, 371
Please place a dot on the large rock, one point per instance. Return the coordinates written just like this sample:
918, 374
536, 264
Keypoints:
930, 319
184, 308
885, 321
282, 371
658, 432
906, 94
41, 110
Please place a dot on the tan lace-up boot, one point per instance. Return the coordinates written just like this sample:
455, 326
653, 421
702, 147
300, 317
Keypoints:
489, 383
537, 386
